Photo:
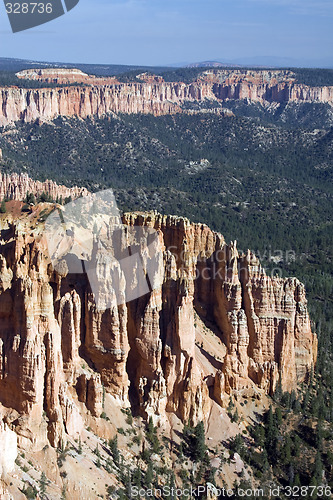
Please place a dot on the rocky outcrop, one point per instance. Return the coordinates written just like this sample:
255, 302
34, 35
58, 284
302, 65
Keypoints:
264, 87
63, 76
17, 104
259, 317
60, 353
98, 97
17, 186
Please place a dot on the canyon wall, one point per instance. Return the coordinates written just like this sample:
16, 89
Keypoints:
59, 352
17, 186
63, 76
17, 104
153, 96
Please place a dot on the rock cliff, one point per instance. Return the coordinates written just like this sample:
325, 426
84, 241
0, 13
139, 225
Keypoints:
17, 186
63, 76
59, 353
98, 97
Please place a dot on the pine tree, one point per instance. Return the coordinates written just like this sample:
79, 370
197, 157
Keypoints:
137, 478
149, 475
231, 406
278, 391
319, 435
264, 461
259, 436
271, 432
306, 400
278, 417
128, 482
318, 468
314, 483
3, 208
113, 444
150, 427
296, 445
80, 446
286, 451
198, 446
43, 483
30, 198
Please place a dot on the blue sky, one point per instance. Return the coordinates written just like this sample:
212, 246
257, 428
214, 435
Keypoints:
158, 32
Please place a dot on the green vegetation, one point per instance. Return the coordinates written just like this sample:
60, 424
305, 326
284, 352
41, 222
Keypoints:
3, 208
290, 444
43, 483
30, 491
313, 76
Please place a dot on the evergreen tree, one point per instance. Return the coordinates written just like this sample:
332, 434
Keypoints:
80, 446
296, 445
151, 434
43, 483
30, 198
286, 451
113, 444
314, 482
128, 482
306, 400
278, 417
319, 435
3, 208
318, 468
149, 476
137, 478
271, 432
194, 439
259, 436
278, 391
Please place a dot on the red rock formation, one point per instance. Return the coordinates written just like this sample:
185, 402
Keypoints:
28, 105
149, 78
63, 76
59, 352
17, 186
154, 96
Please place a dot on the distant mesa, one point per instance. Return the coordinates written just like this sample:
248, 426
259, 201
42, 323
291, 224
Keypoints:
63, 76
213, 64
88, 95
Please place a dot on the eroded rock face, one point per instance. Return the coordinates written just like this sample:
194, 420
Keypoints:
152, 96
58, 351
63, 76
17, 186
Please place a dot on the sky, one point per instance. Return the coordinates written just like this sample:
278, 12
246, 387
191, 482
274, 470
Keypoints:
166, 32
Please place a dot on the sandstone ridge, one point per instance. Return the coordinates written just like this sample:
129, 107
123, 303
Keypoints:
101, 96
59, 354
17, 186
